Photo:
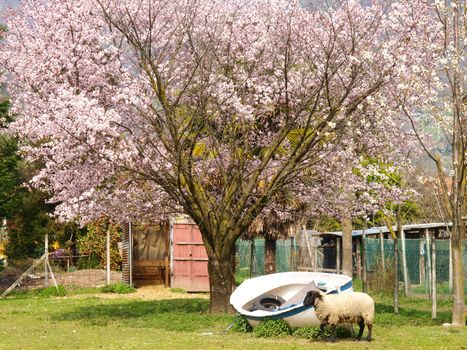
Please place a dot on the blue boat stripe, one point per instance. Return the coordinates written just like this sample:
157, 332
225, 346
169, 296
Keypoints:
344, 287
281, 315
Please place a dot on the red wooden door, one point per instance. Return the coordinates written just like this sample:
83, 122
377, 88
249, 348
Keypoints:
190, 261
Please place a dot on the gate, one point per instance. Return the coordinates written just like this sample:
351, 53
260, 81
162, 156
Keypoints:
190, 261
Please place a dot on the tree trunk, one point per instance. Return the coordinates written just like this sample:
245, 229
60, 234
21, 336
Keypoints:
458, 295
222, 283
347, 266
270, 255
396, 276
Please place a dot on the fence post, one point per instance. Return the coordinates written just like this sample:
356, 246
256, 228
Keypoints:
291, 256
358, 256
381, 248
107, 250
404, 265
364, 277
421, 264
46, 251
433, 277
428, 260
338, 254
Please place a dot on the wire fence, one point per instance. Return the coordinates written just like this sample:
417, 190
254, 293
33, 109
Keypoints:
71, 272
417, 259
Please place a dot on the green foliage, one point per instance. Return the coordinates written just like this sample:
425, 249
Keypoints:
10, 177
241, 325
241, 275
310, 332
118, 288
178, 290
88, 262
51, 291
272, 328
94, 242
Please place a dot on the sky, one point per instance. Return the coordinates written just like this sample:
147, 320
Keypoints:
6, 3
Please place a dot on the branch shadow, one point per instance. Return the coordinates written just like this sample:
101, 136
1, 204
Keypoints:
173, 314
385, 315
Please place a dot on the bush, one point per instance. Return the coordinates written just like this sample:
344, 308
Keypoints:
241, 325
310, 332
51, 291
272, 328
119, 288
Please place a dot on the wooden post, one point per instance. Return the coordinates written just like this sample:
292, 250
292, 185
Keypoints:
291, 256
25, 273
52, 275
404, 265
381, 249
338, 255
396, 276
428, 259
421, 264
46, 252
364, 277
358, 256
310, 253
107, 250
433, 277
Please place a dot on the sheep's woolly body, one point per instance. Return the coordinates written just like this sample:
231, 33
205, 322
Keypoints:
345, 308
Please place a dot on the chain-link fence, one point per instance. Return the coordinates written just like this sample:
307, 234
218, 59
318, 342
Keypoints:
308, 252
418, 258
250, 257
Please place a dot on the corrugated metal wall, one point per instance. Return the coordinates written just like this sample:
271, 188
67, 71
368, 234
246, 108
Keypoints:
127, 240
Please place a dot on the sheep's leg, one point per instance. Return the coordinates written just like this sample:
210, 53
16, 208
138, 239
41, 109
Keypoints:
360, 332
321, 330
370, 327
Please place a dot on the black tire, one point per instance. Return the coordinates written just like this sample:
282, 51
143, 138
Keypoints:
268, 303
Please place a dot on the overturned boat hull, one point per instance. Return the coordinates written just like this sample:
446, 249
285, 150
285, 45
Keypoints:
281, 295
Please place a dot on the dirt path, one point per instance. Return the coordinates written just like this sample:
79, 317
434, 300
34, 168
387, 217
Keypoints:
156, 292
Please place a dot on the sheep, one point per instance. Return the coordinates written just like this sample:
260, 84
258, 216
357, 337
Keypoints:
333, 309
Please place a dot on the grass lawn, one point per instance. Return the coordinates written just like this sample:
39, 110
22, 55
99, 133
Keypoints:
89, 322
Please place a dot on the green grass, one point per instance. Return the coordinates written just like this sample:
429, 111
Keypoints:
119, 288
89, 322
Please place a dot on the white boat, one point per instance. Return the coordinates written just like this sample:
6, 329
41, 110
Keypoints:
281, 295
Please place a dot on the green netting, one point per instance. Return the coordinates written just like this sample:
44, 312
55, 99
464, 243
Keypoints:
418, 257
250, 262
292, 257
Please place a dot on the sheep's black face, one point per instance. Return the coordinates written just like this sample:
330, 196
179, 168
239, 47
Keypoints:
311, 297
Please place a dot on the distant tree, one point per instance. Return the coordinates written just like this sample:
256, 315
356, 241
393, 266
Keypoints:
93, 242
436, 98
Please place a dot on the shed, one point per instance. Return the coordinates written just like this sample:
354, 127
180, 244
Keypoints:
171, 253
